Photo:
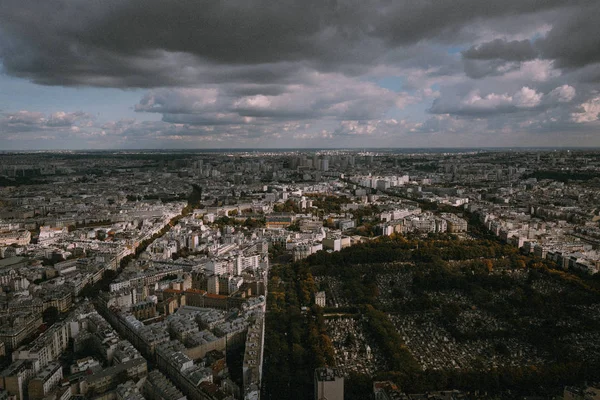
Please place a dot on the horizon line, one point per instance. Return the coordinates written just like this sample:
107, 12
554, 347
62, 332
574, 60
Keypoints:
266, 149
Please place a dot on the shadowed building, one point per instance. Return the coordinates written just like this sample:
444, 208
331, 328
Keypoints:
329, 384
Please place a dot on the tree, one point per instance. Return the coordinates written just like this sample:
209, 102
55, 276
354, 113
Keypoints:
294, 227
298, 354
489, 265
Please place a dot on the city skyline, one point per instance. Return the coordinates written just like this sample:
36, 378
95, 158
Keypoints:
186, 75
351, 275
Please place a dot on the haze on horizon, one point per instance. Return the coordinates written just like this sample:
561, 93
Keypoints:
124, 74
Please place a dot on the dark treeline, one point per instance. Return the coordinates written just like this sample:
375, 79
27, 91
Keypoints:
399, 249
494, 277
329, 204
562, 176
296, 339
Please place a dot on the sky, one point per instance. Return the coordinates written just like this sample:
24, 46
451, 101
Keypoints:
185, 74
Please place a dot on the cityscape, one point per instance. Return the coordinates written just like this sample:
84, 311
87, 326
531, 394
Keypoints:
299, 200
338, 274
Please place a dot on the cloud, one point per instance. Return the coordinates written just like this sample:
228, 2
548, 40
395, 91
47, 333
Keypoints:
527, 98
356, 128
323, 96
589, 111
533, 71
497, 57
371, 128
31, 121
476, 104
483, 68
23, 119
64, 119
278, 72
500, 49
152, 43
573, 41
179, 101
563, 94
536, 70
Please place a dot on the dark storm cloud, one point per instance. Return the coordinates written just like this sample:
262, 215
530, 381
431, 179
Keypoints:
155, 43
229, 71
405, 22
152, 43
574, 40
